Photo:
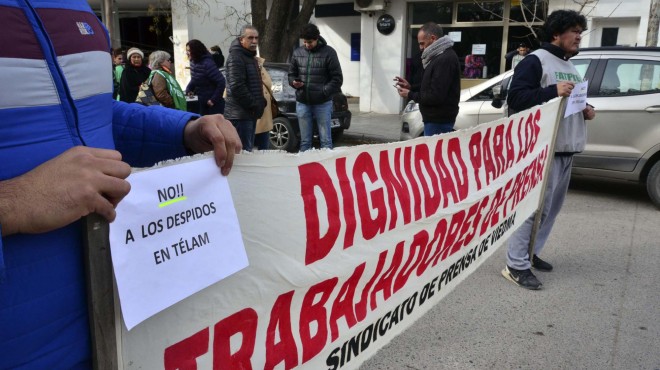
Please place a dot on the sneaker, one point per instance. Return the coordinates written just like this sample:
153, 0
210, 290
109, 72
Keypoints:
523, 278
540, 264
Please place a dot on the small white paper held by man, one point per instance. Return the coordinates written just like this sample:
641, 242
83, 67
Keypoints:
175, 234
577, 101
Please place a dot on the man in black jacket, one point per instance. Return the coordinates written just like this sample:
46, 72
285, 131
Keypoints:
440, 91
245, 99
316, 75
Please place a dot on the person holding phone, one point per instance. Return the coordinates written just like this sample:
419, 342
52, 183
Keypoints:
440, 90
316, 75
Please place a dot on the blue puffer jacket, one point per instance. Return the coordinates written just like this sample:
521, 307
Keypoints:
57, 94
206, 80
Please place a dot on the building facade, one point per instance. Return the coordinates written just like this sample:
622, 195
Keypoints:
376, 40
486, 28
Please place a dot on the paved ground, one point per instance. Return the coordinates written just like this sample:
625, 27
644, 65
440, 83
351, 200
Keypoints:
368, 128
599, 309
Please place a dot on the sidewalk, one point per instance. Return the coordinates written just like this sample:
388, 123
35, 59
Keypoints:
371, 128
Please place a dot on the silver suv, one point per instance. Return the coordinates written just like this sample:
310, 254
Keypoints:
623, 140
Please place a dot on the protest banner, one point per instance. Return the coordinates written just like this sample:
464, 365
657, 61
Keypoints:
347, 248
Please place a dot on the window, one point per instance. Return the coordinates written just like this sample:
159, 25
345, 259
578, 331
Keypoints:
581, 65
630, 77
480, 11
609, 37
282, 91
440, 12
528, 11
486, 94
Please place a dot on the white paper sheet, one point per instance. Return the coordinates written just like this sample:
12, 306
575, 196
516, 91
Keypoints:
578, 99
175, 234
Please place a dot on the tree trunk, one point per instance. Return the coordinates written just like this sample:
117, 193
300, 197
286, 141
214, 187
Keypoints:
280, 29
654, 20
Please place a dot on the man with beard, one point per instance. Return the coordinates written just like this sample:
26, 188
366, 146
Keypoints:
440, 90
542, 76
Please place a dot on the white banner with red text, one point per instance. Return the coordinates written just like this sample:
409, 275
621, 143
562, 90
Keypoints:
347, 248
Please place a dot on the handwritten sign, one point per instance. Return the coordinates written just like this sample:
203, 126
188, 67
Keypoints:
577, 101
176, 233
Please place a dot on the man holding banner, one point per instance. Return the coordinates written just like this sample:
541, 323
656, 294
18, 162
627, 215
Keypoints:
543, 75
66, 149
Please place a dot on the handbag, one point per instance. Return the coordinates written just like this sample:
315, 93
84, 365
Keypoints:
274, 108
146, 95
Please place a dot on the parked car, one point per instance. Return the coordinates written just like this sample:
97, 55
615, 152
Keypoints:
474, 108
285, 134
623, 141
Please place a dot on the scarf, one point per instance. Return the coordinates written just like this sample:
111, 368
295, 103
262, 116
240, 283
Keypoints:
435, 49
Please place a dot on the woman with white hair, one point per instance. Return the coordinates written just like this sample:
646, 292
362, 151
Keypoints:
166, 89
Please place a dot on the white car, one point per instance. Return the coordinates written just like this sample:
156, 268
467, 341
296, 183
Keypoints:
623, 141
474, 108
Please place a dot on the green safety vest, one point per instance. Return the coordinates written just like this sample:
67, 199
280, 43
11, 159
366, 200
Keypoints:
174, 89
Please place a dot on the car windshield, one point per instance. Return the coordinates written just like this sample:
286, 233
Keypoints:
282, 91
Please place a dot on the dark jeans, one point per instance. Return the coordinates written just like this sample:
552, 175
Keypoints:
262, 140
217, 108
245, 129
435, 128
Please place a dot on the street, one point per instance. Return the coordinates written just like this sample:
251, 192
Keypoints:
598, 309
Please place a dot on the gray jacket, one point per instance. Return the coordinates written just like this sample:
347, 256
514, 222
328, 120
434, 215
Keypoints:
535, 82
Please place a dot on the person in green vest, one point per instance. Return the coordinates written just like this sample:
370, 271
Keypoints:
117, 69
166, 88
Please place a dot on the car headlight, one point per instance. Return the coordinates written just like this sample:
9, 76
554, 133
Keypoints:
411, 107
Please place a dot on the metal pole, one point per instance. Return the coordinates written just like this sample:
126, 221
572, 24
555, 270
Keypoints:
108, 18
548, 168
100, 293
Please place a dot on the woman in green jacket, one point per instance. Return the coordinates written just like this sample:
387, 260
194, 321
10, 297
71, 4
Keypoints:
166, 88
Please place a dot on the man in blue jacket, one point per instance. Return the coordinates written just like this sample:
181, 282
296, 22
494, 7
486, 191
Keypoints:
66, 148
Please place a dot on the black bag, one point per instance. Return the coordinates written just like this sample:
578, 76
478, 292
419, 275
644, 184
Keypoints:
146, 95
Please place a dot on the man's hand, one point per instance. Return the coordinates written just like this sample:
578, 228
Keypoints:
297, 84
60, 191
401, 83
565, 88
209, 103
589, 112
213, 132
403, 92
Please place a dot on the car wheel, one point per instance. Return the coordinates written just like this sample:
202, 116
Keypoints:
282, 136
337, 134
653, 184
